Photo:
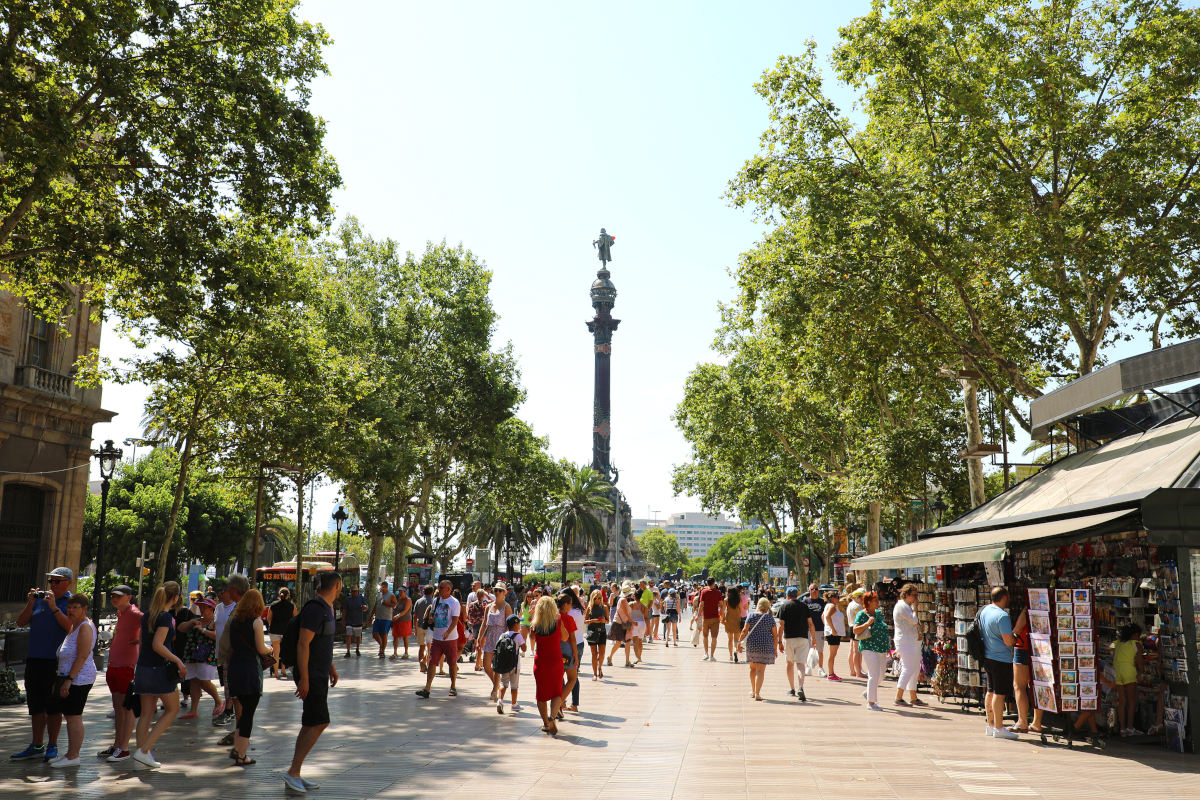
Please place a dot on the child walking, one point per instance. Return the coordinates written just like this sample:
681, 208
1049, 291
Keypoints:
508, 652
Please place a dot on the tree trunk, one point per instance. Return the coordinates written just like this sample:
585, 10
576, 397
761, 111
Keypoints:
974, 439
874, 510
300, 537
257, 526
185, 461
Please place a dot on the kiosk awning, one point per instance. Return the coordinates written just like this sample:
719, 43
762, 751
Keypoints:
983, 546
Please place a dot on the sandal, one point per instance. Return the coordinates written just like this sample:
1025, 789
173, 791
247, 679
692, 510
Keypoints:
244, 761
918, 702
453, 693
1015, 729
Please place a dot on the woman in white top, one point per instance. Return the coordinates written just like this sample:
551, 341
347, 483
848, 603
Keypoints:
908, 645
852, 609
76, 675
835, 631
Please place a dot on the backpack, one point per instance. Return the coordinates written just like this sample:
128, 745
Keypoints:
975, 644
504, 659
291, 637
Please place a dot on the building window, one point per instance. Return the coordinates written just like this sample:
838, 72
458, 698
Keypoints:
37, 349
21, 513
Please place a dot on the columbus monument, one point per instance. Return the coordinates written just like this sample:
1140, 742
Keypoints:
620, 552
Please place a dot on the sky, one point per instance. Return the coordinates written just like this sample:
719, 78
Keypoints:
519, 130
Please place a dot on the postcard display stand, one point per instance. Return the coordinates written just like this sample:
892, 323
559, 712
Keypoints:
961, 598
1062, 635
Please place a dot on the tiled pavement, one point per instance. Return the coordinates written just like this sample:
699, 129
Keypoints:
672, 727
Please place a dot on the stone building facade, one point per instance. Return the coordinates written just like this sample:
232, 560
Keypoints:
45, 446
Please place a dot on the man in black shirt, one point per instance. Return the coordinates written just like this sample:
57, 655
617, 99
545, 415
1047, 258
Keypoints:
816, 608
279, 614
799, 628
315, 673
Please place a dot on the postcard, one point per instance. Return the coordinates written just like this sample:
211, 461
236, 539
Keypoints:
1088, 703
1066, 635
1070, 703
1083, 623
1087, 676
1083, 596
1086, 662
1070, 676
1042, 647
1067, 649
1043, 672
1088, 690
1039, 622
1066, 623
1082, 610
1067, 664
1085, 649
1070, 690
1044, 697
1064, 609
1062, 596
1039, 599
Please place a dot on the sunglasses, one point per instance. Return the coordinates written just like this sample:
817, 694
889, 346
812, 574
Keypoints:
58, 580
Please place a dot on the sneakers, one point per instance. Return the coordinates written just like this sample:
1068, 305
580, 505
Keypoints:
791, 692
800, 696
63, 761
309, 784
30, 752
294, 785
516, 707
145, 759
833, 678
51, 752
1004, 733
989, 731
106, 752
499, 706
873, 707
118, 756
347, 654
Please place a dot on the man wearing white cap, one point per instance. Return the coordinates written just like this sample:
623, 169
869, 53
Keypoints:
45, 613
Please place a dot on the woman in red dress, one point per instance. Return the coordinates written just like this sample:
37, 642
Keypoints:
548, 661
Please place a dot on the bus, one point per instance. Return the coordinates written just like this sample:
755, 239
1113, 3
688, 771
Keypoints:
282, 574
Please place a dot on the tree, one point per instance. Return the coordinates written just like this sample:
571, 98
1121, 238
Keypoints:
663, 550
582, 498
215, 520
133, 131
1023, 178
720, 564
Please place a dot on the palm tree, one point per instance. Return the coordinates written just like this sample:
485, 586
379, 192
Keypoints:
575, 518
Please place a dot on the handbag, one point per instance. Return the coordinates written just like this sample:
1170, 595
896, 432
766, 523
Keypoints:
866, 634
265, 661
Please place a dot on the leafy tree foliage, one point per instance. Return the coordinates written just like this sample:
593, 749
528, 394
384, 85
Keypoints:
583, 496
663, 550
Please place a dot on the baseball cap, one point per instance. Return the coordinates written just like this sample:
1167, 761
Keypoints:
511, 619
792, 591
206, 602
120, 590
61, 572
858, 592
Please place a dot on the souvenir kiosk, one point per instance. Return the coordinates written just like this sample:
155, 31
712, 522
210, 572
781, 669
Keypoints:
1104, 538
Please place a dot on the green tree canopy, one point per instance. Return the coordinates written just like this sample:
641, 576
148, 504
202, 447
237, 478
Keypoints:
663, 550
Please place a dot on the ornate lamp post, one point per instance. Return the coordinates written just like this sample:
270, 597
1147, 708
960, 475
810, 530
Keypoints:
939, 508
757, 558
108, 456
339, 517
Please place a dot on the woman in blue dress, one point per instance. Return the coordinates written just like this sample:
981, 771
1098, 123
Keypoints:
760, 635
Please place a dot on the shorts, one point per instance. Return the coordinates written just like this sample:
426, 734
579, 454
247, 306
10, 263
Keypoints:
118, 679
153, 680
354, 631
1022, 657
511, 679
1000, 676
316, 704
796, 650
568, 662
711, 624
39, 682
401, 628
819, 642
276, 637
672, 616
443, 648
1125, 675
72, 704
422, 634
832, 640
381, 627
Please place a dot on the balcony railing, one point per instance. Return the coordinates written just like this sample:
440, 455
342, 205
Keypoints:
43, 380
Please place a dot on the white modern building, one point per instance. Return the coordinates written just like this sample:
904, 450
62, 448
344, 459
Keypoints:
696, 531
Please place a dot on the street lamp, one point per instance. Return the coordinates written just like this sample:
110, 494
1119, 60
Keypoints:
108, 456
340, 516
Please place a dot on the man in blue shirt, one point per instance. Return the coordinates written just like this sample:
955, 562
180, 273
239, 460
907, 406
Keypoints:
998, 641
48, 624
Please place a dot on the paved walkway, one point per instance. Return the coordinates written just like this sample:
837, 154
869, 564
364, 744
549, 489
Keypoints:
671, 727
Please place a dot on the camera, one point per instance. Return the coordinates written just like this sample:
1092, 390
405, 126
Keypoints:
41, 594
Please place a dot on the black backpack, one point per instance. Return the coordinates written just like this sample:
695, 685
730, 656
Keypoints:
291, 637
505, 658
975, 644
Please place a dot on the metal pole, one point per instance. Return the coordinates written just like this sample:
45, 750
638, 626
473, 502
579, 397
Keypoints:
98, 586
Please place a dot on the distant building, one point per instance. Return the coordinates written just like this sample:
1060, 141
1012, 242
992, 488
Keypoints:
45, 446
696, 531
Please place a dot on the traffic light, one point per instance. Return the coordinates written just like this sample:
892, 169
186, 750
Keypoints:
145, 572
